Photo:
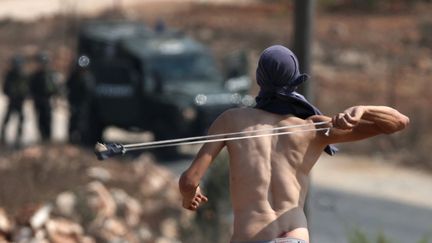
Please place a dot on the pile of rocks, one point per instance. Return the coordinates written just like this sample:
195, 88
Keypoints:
134, 202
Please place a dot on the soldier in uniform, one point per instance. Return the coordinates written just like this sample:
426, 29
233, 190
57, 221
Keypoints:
80, 86
16, 89
43, 87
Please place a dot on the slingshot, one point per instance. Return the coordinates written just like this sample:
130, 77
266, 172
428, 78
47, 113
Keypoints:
107, 150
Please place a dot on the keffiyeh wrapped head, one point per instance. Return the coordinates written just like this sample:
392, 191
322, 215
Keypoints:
278, 76
278, 72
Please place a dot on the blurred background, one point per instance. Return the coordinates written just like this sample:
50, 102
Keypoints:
77, 72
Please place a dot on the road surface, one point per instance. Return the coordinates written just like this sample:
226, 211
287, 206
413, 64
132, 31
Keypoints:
372, 195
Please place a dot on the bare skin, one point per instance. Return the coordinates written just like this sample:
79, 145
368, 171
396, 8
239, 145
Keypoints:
269, 176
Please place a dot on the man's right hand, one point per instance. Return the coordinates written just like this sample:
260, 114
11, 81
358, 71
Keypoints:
349, 118
195, 200
360, 122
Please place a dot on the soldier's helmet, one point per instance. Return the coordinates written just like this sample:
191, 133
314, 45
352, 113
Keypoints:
17, 61
43, 58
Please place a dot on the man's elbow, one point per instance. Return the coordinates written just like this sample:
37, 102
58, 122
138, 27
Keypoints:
400, 123
403, 122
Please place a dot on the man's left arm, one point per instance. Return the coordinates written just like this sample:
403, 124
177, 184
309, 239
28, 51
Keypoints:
360, 122
190, 179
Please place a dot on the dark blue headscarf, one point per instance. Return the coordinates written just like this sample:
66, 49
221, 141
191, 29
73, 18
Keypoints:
278, 76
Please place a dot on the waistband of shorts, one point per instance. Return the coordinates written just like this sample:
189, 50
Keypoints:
277, 240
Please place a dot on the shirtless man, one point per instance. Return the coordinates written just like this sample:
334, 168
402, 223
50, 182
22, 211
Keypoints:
269, 175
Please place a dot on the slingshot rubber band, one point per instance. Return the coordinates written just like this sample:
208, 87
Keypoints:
136, 147
220, 135
104, 151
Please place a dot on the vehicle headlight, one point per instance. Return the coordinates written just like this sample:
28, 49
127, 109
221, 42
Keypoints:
189, 114
236, 98
200, 99
248, 100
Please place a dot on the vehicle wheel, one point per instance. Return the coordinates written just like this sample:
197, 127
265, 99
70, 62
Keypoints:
93, 134
166, 152
90, 129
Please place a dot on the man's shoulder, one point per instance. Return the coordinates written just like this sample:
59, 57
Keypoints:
239, 112
233, 116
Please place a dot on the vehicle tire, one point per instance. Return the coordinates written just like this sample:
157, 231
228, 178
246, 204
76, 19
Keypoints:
166, 152
91, 129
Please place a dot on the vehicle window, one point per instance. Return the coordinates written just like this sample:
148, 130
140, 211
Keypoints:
113, 75
196, 67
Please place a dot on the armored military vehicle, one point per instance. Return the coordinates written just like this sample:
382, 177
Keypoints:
166, 83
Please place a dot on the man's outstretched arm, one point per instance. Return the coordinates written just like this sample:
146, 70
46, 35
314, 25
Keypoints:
360, 122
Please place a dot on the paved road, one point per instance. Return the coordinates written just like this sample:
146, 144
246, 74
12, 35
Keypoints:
370, 194
334, 215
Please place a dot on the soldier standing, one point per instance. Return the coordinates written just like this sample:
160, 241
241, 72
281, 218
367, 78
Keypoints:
42, 87
80, 87
16, 89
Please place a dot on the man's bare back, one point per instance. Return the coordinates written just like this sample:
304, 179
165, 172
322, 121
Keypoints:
269, 175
